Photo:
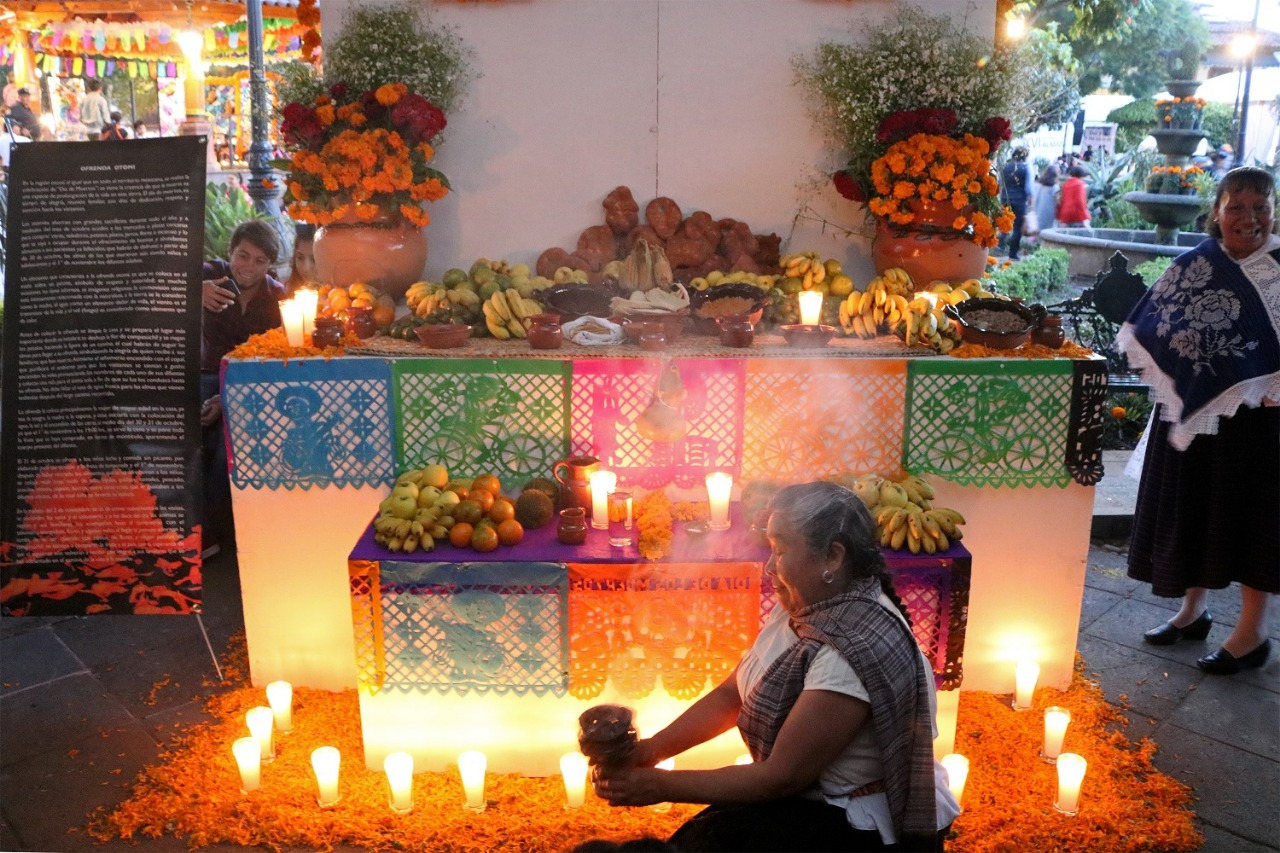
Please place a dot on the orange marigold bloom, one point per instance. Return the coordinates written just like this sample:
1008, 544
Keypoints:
903, 189
387, 94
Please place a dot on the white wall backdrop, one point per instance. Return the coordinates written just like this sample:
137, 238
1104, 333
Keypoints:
692, 99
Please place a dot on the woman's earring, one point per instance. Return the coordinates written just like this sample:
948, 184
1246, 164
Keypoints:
828, 576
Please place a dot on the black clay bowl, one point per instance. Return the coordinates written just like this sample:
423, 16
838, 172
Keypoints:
1013, 320
572, 301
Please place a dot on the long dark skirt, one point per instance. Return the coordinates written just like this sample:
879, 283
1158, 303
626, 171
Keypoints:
1209, 516
780, 825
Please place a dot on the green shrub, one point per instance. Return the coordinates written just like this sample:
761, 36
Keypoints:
1035, 277
1126, 415
1152, 269
225, 207
1135, 120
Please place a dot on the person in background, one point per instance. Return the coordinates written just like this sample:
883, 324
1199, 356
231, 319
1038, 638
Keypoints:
1046, 206
1217, 165
1073, 207
141, 131
22, 118
95, 114
1087, 156
1204, 338
1015, 184
240, 299
10, 93
114, 130
834, 699
302, 269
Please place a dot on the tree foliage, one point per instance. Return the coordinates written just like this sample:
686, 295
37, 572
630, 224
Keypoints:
1131, 46
1050, 76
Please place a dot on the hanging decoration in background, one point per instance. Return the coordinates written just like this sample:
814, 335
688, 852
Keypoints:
282, 39
309, 17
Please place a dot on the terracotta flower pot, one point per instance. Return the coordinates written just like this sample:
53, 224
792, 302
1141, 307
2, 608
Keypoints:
387, 256
933, 252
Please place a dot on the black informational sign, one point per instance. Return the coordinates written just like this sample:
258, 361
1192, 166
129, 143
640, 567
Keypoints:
100, 444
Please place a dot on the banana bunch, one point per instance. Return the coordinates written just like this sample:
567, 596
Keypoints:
864, 313
806, 266
507, 313
424, 297
416, 513
905, 516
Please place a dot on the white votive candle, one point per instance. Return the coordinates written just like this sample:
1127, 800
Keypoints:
291, 319
1071, 769
719, 489
1055, 731
810, 307
325, 761
573, 767
260, 721
249, 759
280, 697
745, 758
664, 764
1025, 684
471, 765
957, 767
399, 769
602, 485
306, 299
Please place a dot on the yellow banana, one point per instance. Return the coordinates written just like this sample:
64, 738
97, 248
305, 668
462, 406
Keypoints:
497, 329
883, 513
914, 521
410, 544
886, 538
899, 536
531, 307
819, 272
913, 544
515, 303
931, 526
517, 328
943, 542
500, 306
899, 519
891, 494
929, 544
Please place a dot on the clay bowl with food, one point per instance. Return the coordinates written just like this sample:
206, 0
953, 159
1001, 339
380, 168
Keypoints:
994, 323
726, 300
672, 325
443, 335
572, 301
803, 337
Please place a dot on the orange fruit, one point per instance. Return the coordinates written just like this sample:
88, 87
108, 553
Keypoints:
484, 497
502, 510
460, 534
488, 482
510, 532
462, 490
484, 539
468, 511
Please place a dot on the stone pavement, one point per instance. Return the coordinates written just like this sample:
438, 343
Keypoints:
81, 712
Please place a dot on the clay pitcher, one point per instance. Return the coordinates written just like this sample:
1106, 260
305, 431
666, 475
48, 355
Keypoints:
574, 476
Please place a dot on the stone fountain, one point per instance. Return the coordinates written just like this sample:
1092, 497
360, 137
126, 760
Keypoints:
1170, 201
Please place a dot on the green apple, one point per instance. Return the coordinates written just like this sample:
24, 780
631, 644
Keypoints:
427, 495
403, 505
410, 489
448, 499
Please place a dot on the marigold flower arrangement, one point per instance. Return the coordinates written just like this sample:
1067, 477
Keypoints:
920, 108
365, 156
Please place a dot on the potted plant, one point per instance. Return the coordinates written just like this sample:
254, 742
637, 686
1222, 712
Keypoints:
361, 146
919, 108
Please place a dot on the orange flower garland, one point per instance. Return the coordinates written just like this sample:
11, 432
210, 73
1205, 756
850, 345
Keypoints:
937, 168
309, 16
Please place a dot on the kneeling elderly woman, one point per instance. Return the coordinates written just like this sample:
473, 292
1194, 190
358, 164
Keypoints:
834, 699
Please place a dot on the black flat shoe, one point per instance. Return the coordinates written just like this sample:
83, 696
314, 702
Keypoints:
1168, 633
1222, 662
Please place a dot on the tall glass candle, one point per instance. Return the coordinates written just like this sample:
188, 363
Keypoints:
573, 767
1071, 769
957, 767
1055, 731
260, 721
291, 319
306, 298
1025, 684
325, 761
471, 765
399, 769
602, 485
719, 489
810, 307
249, 759
280, 697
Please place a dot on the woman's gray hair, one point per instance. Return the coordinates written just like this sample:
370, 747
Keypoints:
824, 513
1240, 178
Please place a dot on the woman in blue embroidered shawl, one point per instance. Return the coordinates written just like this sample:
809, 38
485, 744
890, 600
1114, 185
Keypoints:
834, 699
1205, 339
